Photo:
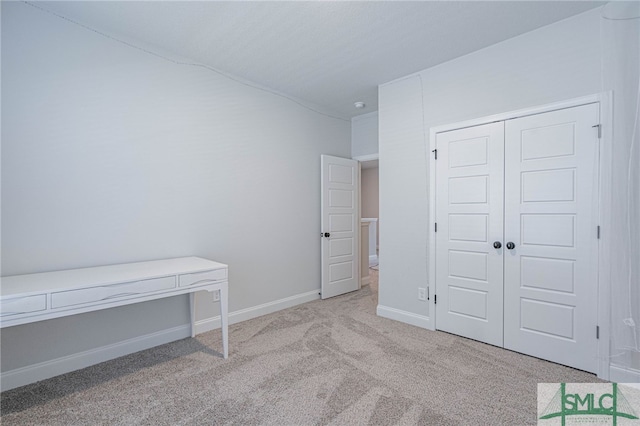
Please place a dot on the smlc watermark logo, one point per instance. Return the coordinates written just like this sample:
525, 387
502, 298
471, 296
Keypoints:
588, 403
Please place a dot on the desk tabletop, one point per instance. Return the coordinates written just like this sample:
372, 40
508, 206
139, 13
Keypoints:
103, 275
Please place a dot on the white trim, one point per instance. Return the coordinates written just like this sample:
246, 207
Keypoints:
604, 246
584, 100
605, 99
604, 250
404, 316
213, 323
619, 374
47, 369
373, 260
431, 254
364, 281
366, 157
358, 230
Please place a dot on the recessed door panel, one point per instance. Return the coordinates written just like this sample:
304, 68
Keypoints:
547, 141
547, 273
468, 227
468, 190
551, 319
341, 174
341, 271
548, 186
469, 265
548, 229
340, 247
469, 152
341, 198
468, 302
341, 222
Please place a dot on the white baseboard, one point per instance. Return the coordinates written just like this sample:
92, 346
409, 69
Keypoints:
373, 260
47, 369
619, 374
404, 316
212, 323
365, 280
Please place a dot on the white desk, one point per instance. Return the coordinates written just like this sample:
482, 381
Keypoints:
39, 297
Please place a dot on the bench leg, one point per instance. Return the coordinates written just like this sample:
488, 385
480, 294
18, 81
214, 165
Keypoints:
192, 313
224, 321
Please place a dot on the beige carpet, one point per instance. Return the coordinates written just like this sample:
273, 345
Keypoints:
324, 362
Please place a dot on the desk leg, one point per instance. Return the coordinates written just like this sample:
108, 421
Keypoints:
224, 320
192, 313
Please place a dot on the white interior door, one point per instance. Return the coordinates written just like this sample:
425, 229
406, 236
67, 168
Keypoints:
340, 225
551, 184
469, 212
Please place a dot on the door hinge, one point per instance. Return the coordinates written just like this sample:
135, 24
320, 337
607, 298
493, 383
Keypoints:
597, 331
435, 299
435, 154
435, 227
598, 231
599, 126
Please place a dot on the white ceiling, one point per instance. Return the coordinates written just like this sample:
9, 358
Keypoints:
326, 53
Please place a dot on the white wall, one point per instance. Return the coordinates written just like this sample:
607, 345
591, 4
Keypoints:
554, 63
621, 73
582, 55
113, 155
403, 207
364, 135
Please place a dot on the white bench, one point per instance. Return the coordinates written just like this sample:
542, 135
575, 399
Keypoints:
38, 297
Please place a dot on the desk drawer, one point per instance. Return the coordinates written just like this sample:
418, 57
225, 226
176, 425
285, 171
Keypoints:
201, 277
111, 292
23, 305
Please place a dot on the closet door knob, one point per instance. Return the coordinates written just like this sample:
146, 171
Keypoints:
510, 245
497, 245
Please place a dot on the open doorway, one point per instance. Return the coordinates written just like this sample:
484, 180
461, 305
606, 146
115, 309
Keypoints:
369, 196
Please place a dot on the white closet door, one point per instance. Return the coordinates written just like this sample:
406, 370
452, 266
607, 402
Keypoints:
469, 212
551, 181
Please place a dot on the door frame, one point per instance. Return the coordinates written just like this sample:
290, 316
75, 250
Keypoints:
605, 101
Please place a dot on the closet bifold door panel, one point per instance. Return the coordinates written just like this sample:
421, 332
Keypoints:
516, 249
469, 211
550, 274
